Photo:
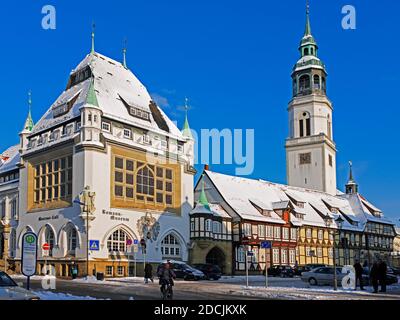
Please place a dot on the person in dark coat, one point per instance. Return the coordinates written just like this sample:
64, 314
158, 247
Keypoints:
359, 271
148, 273
382, 272
374, 276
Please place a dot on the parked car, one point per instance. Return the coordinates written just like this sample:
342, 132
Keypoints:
186, 272
281, 271
308, 267
9, 290
396, 271
212, 272
390, 278
322, 276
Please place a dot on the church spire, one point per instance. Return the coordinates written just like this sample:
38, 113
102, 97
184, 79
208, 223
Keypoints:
351, 186
186, 131
93, 31
29, 122
307, 31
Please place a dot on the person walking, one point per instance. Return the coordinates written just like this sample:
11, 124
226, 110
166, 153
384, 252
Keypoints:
148, 273
374, 276
382, 272
359, 271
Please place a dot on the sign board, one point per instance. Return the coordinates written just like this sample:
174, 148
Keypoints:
46, 247
135, 249
136, 242
250, 253
266, 244
94, 245
29, 254
129, 242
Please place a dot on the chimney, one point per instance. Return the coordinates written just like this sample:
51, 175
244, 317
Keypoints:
206, 167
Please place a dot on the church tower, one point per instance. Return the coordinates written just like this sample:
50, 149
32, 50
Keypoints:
310, 149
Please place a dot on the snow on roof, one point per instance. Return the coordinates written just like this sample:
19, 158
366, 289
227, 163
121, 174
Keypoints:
219, 211
240, 193
113, 85
11, 158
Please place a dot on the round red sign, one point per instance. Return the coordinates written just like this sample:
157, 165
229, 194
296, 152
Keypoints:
46, 247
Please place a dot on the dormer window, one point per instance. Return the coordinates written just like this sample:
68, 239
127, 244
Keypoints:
135, 111
64, 108
146, 139
300, 204
334, 210
79, 76
106, 127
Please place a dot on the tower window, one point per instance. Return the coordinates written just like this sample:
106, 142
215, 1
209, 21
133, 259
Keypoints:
331, 160
304, 83
305, 125
317, 82
308, 127
306, 51
323, 87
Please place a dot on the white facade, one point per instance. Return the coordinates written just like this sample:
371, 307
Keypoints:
96, 118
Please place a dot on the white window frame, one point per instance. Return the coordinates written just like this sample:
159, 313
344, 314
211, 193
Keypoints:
127, 133
106, 126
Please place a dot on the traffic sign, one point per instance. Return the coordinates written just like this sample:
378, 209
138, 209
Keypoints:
29, 254
136, 242
129, 242
94, 245
250, 253
266, 244
46, 247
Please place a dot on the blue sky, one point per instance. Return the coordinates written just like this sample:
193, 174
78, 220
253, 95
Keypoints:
233, 59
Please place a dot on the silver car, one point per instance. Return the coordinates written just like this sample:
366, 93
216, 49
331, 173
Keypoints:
9, 290
323, 276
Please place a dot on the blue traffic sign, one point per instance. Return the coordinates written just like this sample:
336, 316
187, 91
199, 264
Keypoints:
250, 253
266, 244
94, 245
136, 242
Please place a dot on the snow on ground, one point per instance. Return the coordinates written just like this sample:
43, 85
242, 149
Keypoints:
49, 295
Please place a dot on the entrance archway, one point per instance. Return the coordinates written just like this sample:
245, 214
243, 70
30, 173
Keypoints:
216, 257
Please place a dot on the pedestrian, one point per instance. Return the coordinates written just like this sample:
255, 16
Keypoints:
373, 275
148, 273
382, 272
359, 271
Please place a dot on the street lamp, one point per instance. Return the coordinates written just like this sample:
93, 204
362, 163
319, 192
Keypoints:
339, 222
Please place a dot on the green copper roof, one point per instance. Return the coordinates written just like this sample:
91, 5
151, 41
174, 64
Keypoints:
307, 31
29, 122
203, 198
91, 96
186, 129
93, 28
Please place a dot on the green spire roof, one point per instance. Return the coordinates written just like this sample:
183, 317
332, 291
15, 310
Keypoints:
186, 128
29, 122
91, 96
307, 31
203, 198
351, 178
124, 55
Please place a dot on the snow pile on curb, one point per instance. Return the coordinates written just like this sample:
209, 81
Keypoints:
49, 295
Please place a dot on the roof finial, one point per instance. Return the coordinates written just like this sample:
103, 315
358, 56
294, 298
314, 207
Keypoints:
203, 198
351, 171
124, 53
29, 122
93, 31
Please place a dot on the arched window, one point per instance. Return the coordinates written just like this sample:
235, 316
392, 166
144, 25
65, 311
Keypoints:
170, 247
317, 84
304, 83
306, 51
312, 51
13, 242
323, 85
72, 239
145, 183
294, 87
329, 126
217, 227
49, 238
305, 125
117, 241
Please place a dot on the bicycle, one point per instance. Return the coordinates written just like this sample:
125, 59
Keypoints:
167, 292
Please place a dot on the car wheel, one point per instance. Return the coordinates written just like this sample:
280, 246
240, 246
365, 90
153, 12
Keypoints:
312, 281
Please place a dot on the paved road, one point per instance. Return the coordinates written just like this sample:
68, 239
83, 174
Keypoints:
224, 289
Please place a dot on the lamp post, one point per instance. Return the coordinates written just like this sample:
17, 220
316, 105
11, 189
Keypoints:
328, 222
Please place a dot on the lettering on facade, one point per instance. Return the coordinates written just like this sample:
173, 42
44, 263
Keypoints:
55, 217
115, 216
